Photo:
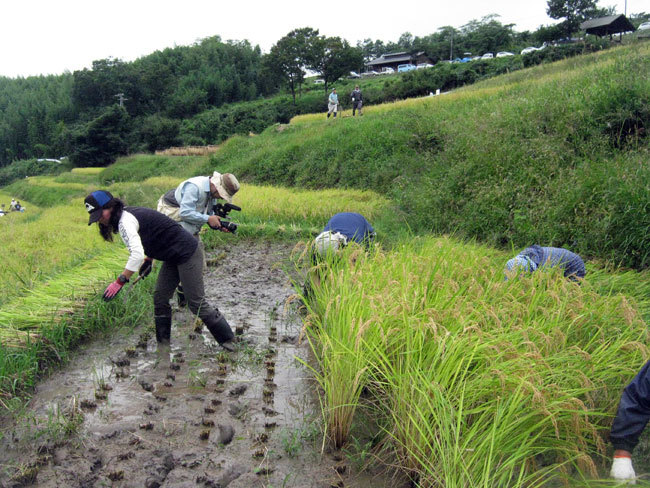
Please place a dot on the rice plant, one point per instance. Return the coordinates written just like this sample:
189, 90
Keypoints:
478, 381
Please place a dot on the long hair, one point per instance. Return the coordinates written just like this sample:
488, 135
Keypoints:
107, 230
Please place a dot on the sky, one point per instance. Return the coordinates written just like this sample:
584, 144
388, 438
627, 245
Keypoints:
50, 37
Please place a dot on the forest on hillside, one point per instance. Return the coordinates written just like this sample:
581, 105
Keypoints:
203, 93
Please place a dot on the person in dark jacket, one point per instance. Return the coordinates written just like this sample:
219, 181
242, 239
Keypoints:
151, 235
631, 418
341, 229
357, 100
535, 257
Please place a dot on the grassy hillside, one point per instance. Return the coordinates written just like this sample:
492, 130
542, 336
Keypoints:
555, 154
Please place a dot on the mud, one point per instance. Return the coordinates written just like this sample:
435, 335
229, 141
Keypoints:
125, 413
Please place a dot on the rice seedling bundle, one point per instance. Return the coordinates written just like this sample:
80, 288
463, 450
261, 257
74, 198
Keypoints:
474, 381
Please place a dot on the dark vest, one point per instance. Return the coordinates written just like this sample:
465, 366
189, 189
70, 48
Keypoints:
162, 238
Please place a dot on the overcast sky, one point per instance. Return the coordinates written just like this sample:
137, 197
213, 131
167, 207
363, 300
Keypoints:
48, 36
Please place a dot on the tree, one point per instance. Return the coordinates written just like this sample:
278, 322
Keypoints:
334, 57
291, 55
100, 141
573, 11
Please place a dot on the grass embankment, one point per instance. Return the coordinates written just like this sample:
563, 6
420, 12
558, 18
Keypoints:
555, 154
472, 380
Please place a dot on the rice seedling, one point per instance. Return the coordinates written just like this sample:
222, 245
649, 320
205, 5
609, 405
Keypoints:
475, 381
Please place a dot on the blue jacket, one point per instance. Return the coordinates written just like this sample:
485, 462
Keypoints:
352, 225
556, 256
633, 412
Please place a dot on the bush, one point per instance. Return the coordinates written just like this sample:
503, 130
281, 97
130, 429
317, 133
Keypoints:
29, 167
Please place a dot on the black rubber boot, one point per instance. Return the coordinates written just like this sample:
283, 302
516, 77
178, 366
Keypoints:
163, 329
220, 330
180, 295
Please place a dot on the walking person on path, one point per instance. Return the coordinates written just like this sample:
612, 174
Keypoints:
332, 103
151, 235
357, 100
535, 257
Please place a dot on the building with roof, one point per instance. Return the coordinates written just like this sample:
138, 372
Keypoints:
393, 60
603, 26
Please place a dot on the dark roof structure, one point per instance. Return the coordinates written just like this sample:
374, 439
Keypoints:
403, 57
603, 26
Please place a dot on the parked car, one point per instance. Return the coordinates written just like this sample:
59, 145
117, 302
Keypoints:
644, 26
529, 50
476, 58
354, 74
387, 71
369, 73
466, 59
503, 54
487, 56
424, 66
403, 68
319, 82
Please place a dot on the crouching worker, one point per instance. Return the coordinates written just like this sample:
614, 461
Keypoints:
151, 235
631, 418
535, 257
341, 229
192, 204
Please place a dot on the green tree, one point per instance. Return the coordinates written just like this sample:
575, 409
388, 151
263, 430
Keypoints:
291, 55
100, 141
334, 57
573, 11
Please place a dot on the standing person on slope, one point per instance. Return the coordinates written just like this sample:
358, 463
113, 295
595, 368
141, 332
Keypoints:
332, 103
357, 100
151, 235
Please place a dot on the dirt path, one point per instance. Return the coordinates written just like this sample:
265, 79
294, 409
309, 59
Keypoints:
190, 416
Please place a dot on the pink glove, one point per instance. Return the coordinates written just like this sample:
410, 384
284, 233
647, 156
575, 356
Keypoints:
114, 288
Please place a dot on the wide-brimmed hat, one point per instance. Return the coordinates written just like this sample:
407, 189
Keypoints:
329, 241
95, 203
226, 184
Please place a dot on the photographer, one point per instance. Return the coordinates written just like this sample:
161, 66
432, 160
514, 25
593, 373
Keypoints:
151, 235
192, 204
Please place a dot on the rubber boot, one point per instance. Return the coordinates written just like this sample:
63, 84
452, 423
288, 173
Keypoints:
163, 329
220, 330
180, 295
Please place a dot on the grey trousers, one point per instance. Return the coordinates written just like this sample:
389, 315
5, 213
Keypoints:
190, 273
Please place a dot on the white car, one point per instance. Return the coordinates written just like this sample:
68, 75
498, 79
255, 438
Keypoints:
487, 56
529, 50
424, 65
319, 82
387, 71
503, 54
644, 26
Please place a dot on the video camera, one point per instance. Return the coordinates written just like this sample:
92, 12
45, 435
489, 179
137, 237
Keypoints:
222, 210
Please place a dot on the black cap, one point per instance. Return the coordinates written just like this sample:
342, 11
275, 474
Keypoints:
95, 203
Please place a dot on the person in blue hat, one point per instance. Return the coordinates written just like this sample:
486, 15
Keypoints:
537, 257
151, 235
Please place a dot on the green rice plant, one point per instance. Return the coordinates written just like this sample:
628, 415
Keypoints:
38, 248
87, 171
475, 380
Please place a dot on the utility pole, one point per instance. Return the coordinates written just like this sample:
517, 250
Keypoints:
121, 98
625, 8
451, 47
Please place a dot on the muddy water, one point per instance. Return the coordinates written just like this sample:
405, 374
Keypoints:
190, 415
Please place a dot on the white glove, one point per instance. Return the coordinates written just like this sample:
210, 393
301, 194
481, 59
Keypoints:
622, 470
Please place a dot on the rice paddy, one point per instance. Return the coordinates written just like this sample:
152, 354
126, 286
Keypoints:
459, 377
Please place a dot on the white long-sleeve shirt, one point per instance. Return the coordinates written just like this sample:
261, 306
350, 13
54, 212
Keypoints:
128, 228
